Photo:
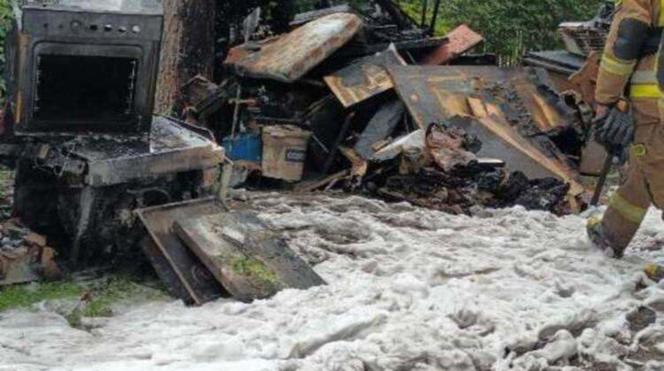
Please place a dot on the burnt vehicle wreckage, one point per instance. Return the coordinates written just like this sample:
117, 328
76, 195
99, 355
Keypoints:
364, 100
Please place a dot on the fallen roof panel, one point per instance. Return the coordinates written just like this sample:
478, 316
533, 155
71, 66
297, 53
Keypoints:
441, 92
436, 94
293, 55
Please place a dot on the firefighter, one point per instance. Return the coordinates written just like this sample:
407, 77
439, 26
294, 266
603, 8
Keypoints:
629, 71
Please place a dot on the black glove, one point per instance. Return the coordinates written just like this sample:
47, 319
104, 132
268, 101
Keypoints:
615, 130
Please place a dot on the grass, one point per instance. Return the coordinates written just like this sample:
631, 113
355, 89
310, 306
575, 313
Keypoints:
24, 296
92, 299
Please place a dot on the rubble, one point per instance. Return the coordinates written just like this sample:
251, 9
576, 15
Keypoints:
368, 96
446, 173
24, 255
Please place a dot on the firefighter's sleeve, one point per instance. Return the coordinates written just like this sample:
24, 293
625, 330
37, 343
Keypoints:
629, 32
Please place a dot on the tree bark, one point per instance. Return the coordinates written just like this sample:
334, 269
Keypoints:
188, 49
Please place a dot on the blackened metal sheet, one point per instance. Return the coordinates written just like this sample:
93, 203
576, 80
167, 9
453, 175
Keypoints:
364, 79
248, 259
171, 148
293, 55
191, 274
380, 127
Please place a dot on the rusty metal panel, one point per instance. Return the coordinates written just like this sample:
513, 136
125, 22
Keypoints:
295, 54
460, 40
435, 94
248, 259
364, 79
179, 267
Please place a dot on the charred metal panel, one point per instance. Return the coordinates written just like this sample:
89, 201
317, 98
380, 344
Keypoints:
441, 92
460, 40
293, 55
364, 79
191, 274
435, 94
171, 149
248, 259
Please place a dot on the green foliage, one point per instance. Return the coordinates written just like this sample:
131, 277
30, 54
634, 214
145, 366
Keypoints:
509, 26
5, 21
22, 296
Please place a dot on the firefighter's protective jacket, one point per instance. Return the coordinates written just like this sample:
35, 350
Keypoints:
629, 63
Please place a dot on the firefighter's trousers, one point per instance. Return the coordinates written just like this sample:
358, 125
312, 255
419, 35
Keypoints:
644, 185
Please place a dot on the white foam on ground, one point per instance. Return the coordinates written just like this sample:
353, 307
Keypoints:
409, 289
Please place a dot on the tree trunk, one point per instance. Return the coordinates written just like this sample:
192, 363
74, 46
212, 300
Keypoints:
187, 49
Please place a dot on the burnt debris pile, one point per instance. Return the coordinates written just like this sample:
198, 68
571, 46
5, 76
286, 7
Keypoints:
368, 100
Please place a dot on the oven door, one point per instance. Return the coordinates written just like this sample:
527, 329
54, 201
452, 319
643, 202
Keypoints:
90, 88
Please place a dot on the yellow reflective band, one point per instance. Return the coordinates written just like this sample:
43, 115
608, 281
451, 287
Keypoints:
661, 13
638, 150
627, 210
645, 91
616, 66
